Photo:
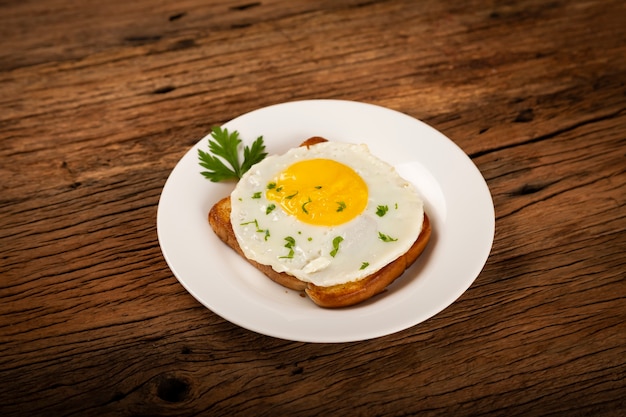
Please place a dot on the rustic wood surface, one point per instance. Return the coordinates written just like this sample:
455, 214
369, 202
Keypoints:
99, 100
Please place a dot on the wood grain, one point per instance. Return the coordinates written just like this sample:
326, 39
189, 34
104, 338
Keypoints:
99, 102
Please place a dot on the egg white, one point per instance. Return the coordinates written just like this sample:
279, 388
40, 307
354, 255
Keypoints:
362, 252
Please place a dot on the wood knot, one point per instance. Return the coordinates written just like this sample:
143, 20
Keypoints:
164, 90
527, 189
177, 16
172, 389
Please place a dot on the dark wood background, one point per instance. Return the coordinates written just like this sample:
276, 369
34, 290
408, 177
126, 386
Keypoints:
99, 100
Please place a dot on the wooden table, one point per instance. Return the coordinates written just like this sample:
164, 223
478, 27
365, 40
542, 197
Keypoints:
99, 100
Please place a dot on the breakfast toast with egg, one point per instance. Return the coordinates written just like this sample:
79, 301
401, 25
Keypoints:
340, 295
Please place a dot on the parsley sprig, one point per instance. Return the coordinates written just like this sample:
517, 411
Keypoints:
224, 147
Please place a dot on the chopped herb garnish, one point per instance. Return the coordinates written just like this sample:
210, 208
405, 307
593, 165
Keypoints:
256, 195
310, 239
304, 206
255, 222
341, 207
224, 147
292, 195
258, 229
318, 187
336, 242
269, 208
385, 238
291, 242
279, 189
364, 265
396, 206
381, 210
271, 185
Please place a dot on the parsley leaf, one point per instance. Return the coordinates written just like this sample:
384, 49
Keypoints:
223, 150
385, 238
253, 155
304, 206
381, 210
336, 242
291, 242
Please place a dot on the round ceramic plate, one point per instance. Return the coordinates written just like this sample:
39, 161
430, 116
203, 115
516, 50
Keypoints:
457, 201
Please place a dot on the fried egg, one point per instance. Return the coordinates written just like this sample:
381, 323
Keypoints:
327, 214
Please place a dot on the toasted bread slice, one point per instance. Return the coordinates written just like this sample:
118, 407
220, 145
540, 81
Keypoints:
341, 295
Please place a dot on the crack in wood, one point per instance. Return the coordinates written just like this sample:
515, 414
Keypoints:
142, 39
547, 136
177, 16
164, 90
246, 6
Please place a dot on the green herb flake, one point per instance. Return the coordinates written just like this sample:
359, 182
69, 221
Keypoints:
291, 242
257, 195
385, 238
270, 208
258, 229
364, 265
341, 207
381, 210
271, 185
304, 206
289, 197
255, 222
336, 242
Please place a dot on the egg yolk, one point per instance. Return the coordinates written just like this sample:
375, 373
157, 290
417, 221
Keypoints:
321, 192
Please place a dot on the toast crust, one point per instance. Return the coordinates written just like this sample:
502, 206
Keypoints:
341, 295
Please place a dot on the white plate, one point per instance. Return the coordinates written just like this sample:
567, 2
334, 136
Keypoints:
457, 200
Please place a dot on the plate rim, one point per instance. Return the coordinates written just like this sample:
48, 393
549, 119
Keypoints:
390, 328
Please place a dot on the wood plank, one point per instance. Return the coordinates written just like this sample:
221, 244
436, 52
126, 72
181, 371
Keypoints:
100, 101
